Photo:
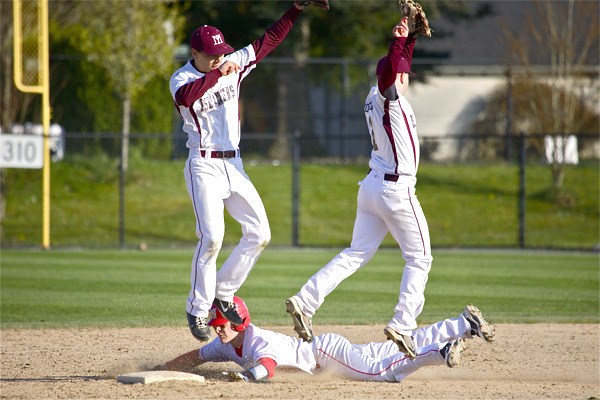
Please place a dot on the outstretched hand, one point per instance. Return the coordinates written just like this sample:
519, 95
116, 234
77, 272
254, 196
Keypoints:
401, 30
234, 376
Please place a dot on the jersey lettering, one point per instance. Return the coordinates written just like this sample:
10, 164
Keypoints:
212, 100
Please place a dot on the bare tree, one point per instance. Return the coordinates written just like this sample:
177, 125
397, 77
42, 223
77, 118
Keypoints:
563, 36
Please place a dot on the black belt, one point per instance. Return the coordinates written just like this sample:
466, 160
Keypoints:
390, 177
220, 154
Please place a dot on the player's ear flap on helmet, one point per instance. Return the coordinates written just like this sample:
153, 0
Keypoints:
243, 312
239, 328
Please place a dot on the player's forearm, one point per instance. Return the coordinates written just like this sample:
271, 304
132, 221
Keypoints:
408, 48
264, 369
185, 361
258, 372
387, 77
190, 92
275, 34
399, 49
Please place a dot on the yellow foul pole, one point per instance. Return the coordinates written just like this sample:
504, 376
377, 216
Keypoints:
42, 87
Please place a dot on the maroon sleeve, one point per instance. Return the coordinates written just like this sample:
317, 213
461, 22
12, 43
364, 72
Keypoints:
400, 47
409, 46
190, 92
275, 34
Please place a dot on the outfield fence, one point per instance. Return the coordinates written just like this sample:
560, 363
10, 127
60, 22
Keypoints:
477, 198
304, 143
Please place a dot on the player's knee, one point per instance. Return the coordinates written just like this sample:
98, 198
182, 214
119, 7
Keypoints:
264, 238
211, 244
258, 239
260, 245
421, 262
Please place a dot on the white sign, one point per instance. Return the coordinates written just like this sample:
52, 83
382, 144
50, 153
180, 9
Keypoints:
21, 151
561, 149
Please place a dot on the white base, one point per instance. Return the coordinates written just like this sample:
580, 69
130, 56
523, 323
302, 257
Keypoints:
146, 377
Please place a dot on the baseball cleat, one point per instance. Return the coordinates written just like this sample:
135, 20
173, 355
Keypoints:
229, 311
479, 326
452, 351
199, 327
302, 323
405, 342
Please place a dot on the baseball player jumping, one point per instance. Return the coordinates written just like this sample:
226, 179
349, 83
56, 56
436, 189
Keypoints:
206, 92
259, 351
386, 202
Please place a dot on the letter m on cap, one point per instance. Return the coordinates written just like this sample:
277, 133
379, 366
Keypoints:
218, 39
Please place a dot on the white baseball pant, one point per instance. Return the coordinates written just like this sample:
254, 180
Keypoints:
215, 185
382, 361
382, 206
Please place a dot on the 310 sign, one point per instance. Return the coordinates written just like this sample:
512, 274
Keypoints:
21, 151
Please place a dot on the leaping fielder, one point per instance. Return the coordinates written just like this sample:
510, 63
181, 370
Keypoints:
387, 202
206, 92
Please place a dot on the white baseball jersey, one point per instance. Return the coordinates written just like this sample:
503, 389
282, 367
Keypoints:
393, 128
333, 353
212, 122
260, 343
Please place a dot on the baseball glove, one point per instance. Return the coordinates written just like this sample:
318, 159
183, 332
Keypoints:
417, 20
323, 4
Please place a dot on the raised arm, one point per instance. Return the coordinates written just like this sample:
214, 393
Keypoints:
275, 34
398, 59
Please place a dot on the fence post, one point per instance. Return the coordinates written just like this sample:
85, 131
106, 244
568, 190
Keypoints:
295, 188
344, 109
522, 160
508, 143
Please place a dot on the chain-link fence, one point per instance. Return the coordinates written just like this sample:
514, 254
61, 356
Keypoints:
305, 146
311, 201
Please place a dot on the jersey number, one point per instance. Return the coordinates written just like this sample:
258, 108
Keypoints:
375, 147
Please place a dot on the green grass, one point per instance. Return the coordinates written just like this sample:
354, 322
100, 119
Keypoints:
134, 288
465, 205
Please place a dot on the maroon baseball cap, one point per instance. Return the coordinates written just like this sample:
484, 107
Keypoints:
210, 40
403, 66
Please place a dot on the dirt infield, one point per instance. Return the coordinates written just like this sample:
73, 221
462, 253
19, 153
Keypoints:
526, 362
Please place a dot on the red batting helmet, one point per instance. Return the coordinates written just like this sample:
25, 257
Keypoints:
216, 318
